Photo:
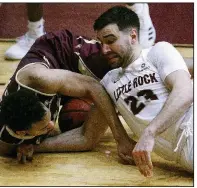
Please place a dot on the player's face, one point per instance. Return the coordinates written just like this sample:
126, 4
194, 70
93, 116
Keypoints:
42, 127
116, 45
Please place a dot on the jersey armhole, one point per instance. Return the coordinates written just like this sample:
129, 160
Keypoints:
27, 87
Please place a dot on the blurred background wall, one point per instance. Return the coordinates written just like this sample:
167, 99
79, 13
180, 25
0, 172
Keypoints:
174, 22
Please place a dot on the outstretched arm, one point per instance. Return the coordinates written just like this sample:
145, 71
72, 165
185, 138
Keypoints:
179, 100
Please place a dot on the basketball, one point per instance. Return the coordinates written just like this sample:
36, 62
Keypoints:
73, 113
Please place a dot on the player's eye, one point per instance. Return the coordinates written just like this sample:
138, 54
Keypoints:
110, 40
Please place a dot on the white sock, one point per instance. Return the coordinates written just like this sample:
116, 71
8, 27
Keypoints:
35, 29
142, 10
138, 8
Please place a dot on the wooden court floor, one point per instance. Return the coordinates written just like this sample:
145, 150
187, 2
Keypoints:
94, 168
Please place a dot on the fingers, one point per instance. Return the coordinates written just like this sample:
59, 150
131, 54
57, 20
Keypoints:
24, 153
21, 158
148, 160
23, 161
144, 170
30, 155
143, 162
127, 158
142, 157
30, 158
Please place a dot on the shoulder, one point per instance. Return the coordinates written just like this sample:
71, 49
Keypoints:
162, 51
162, 44
58, 38
59, 34
162, 48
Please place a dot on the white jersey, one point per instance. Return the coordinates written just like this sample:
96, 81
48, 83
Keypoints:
139, 93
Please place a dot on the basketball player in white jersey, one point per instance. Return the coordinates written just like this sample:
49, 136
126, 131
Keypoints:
151, 89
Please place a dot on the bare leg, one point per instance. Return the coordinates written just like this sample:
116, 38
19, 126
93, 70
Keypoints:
130, 4
34, 11
35, 30
147, 33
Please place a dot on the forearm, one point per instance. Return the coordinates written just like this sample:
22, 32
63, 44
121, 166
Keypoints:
72, 140
174, 108
105, 105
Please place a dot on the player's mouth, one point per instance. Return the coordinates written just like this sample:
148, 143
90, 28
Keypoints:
111, 57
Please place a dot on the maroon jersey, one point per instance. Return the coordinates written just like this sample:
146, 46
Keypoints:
63, 50
57, 50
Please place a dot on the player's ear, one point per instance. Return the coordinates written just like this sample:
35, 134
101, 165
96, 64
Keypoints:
134, 35
21, 133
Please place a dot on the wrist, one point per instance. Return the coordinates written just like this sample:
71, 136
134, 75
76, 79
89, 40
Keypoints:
123, 139
37, 148
150, 131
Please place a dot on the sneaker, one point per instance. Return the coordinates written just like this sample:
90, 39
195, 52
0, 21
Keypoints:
19, 50
24, 43
147, 35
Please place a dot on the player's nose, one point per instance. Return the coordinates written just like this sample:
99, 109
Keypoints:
105, 49
50, 126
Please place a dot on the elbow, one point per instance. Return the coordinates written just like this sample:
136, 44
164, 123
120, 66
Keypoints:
188, 98
28, 75
89, 145
95, 89
88, 148
184, 93
190, 95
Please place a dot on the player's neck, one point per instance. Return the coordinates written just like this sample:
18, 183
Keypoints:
135, 53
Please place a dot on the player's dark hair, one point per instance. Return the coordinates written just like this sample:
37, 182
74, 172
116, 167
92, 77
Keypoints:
20, 109
120, 15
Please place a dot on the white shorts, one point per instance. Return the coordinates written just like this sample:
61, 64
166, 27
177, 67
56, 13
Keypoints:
179, 148
185, 144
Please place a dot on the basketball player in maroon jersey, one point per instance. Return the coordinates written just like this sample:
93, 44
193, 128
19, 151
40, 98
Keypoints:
38, 77
48, 73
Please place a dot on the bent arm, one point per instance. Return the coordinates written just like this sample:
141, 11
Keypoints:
179, 100
76, 85
190, 65
80, 139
